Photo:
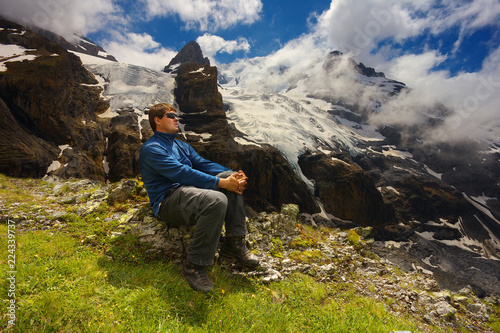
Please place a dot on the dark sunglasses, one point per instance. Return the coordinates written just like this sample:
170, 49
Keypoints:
171, 115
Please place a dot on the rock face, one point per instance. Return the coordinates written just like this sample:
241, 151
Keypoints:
124, 145
22, 154
197, 90
346, 190
50, 98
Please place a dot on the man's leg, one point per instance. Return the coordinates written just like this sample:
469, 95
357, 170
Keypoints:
235, 213
206, 210
234, 245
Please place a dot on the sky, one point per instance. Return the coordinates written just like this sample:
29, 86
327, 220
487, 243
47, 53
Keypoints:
446, 51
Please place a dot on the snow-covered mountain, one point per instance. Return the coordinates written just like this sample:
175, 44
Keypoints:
303, 115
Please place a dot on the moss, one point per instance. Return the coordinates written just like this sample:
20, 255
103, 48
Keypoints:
276, 248
353, 238
303, 242
307, 256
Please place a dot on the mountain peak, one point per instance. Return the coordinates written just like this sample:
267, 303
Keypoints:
191, 52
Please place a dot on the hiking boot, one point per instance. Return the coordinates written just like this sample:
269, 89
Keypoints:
236, 247
197, 277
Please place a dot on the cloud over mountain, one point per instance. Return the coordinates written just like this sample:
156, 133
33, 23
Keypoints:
64, 17
212, 44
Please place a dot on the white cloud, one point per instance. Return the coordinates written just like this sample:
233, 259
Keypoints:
211, 45
138, 49
359, 26
207, 15
64, 17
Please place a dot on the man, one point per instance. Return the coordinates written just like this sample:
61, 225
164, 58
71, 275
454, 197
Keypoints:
186, 189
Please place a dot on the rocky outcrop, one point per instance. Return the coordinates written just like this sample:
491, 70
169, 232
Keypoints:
197, 90
272, 181
345, 190
81, 45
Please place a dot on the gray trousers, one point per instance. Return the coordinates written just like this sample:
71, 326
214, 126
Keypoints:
206, 210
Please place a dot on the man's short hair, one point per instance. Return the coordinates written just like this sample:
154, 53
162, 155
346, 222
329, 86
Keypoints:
158, 110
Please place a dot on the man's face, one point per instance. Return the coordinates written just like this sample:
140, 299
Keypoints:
168, 123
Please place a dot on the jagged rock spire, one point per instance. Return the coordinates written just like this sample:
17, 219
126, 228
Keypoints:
189, 53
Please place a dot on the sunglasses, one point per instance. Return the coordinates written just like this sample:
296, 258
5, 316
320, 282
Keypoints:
171, 115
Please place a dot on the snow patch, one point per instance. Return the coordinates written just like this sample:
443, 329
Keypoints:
88, 59
56, 164
201, 70
433, 173
339, 160
244, 142
13, 53
465, 243
203, 137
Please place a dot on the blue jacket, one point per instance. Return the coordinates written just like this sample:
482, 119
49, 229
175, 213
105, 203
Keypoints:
167, 163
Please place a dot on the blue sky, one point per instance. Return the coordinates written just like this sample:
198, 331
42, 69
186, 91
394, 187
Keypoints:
278, 22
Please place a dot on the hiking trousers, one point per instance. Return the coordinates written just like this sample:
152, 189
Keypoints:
207, 210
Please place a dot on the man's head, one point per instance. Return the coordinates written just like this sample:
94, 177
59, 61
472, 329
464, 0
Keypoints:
161, 121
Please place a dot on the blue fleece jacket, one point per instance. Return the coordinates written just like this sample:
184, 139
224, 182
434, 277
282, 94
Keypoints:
167, 163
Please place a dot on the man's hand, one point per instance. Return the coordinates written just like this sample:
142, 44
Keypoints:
237, 182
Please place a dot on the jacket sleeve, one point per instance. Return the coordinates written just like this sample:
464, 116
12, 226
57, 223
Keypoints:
202, 164
164, 164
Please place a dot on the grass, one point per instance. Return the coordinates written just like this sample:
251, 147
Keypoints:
66, 286
76, 278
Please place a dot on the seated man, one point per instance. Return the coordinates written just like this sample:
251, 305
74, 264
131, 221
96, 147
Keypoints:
185, 188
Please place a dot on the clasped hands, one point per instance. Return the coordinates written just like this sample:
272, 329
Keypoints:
236, 182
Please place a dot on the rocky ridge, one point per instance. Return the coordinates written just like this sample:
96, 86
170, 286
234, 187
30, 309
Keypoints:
286, 242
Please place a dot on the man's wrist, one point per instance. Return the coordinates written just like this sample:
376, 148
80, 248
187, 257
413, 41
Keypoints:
222, 183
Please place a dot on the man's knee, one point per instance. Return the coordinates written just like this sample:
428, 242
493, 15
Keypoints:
216, 200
